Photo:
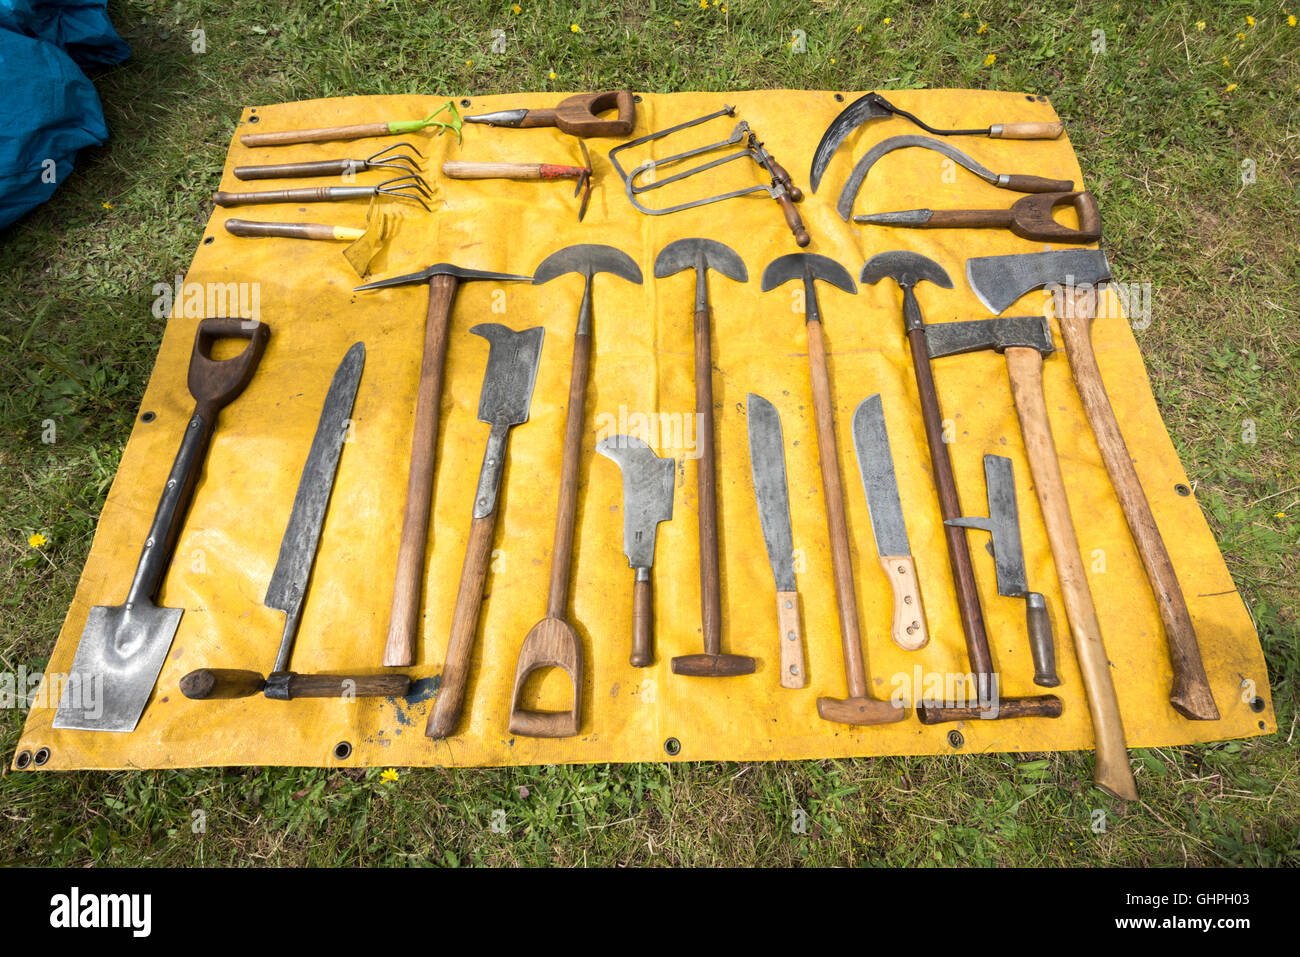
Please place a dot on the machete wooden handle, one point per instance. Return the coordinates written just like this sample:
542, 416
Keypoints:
248, 227
908, 628
1191, 695
793, 674
404, 617
643, 625
1026, 131
287, 137
464, 628
305, 194
1112, 773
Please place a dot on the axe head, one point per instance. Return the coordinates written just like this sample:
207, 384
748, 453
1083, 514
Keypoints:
1006, 332
998, 281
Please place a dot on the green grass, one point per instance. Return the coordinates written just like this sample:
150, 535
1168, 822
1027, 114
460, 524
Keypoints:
1161, 140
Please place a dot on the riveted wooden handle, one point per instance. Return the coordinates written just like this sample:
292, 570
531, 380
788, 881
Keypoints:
320, 135
1112, 772
1191, 695
404, 617
643, 624
464, 628
793, 673
1026, 131
908, 629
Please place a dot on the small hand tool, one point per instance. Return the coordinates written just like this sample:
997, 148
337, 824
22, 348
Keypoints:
384, 159
767, 466
1013, 181
503, 403
876, 466
859, 708
1029, 218
457, 169
780, 188
647, 501
576, 115
701, 255
122, 647
364, 244
552, 642
404, 618
1025, 341
908, 270
410, 187
360, 131
288, 586
1003, 524
873, 106
999, 281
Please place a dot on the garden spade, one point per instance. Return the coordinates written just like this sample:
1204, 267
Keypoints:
647, 501
122, 647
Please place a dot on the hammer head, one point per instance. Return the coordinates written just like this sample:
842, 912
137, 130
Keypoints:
905, 268
700, 255
441, 269
1008, 332
807, 266
587, 259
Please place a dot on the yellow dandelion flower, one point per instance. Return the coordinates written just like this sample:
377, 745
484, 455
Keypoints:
574, 28
37, 540
858, 29
1241, 37
516, 9
107, 205
1280, 515
1290, 20
677, 23
888, 19
388, 774
965, 16
469, 62
990, 59
984, 28
832, 59
724, 8
1229, 88
1225, 62
1250, 21
704, 4
551, 75
1200, 24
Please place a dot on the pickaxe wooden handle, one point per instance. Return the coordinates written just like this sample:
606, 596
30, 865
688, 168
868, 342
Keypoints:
1191, 695
1112, 773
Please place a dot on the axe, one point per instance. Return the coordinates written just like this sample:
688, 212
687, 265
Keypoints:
1075, 274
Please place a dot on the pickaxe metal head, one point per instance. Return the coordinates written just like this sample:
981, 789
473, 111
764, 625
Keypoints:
700, 255
1007, 332
441, 269
808, 267
587, 259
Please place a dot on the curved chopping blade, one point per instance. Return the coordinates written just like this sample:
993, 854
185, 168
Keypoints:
854, 183
767, 465
861, 110
876, 466
647, 494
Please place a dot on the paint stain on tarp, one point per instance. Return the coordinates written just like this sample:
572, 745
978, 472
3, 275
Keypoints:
421, 691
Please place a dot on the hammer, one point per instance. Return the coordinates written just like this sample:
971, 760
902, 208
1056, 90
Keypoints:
703, 255
403, 619
1025, 342
909, 269
858, 708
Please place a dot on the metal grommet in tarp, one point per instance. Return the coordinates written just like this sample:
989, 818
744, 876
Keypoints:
672, 747
343, 750
23, 761
41, 756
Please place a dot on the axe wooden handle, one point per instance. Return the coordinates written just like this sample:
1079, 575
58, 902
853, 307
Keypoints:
1191, 695
1112, 773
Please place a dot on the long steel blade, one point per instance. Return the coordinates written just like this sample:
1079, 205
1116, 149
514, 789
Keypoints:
302, 536
767, 463
876, 466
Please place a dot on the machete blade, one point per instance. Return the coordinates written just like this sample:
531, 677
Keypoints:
767, 464
876, 466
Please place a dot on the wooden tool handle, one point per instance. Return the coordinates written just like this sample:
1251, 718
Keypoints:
211, 684
287, 137
643, 626
1112, 773
793, 220
784, 179
836, 524
793, 674
1085, 207
464, 628
458, 169
908, 628
295, 170
246, 227
706, 482
1036, 706
551, 643
348, 686
1026, 131
404, 617
963, 572
967, 218
215, 383
1022, 183
1042, 648
1191, 695
577, 115
306, 194
557, 600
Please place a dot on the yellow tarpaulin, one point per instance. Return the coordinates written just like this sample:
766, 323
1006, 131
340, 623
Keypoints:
642, 380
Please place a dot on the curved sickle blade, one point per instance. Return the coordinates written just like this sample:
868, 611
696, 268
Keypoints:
861, 110
647, 494
854, 183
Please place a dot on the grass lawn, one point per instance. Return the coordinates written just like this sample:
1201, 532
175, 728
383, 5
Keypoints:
1181, 102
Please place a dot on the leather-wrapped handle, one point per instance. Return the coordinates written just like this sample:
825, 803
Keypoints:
306, 194
320, 135
1026, 131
